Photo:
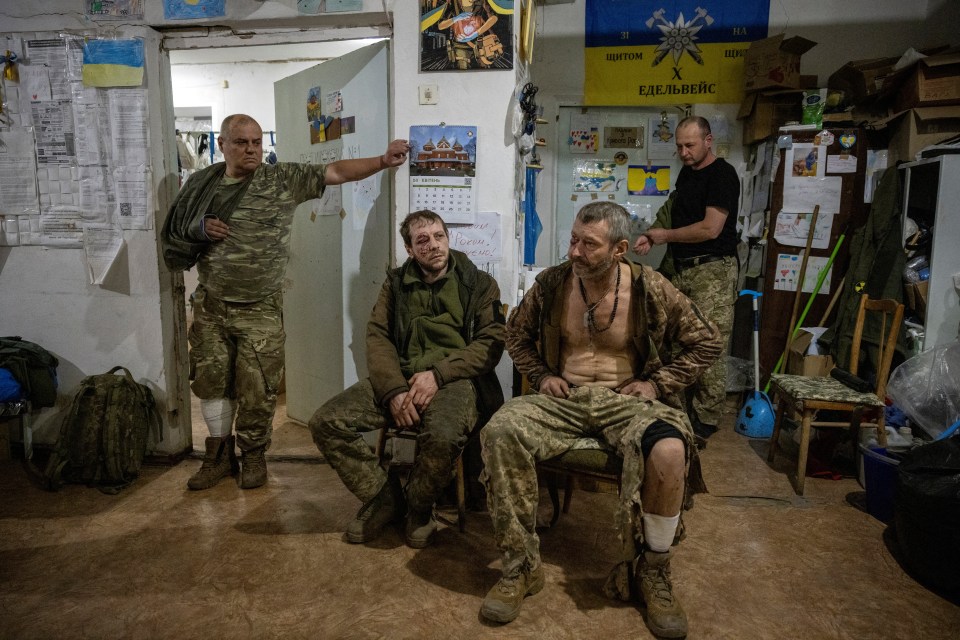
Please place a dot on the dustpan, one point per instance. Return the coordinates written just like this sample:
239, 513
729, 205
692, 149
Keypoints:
756, 416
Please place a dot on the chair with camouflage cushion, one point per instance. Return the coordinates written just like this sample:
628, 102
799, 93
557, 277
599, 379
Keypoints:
590, 460
808, 396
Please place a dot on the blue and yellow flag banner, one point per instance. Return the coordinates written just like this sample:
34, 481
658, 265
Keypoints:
113, 63
663, 52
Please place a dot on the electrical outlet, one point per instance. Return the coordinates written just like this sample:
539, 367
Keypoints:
428, 94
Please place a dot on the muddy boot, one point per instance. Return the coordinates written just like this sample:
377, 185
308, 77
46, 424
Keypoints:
385, 508
253, 468
219, 461
419, 529
665, 616
503, 601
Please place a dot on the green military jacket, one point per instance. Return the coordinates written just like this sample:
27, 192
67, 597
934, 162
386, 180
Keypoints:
665, 321
483, 330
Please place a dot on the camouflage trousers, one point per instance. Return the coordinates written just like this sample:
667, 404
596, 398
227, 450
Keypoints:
236, 351
538, 427
713, 287
443, 432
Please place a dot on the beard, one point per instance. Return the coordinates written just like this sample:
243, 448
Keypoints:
595, 271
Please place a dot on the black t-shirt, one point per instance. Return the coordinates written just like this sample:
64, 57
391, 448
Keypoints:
716, 185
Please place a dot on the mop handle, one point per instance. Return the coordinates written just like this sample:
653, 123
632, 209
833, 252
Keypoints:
756, 337
803, 316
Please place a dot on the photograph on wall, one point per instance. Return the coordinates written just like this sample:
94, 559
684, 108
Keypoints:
465, 35
653, 180
193, 9
443, 169
594, 175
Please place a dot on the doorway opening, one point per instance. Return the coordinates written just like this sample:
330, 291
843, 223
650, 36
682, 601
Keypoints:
208, 84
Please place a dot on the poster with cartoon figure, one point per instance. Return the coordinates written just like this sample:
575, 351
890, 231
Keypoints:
464, 35
661, 137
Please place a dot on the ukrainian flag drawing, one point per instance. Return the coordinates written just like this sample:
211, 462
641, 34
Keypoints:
113, 63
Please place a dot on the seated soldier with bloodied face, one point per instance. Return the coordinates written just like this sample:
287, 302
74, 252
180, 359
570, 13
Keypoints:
594, 337
433, 340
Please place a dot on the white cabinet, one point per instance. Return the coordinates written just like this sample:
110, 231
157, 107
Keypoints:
931, 195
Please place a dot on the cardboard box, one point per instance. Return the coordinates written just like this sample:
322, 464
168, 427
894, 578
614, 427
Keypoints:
763, 113
800, 364
916, 296
910, 131
861, 80
774, 63
933, 81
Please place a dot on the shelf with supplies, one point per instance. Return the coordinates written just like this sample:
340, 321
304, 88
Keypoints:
931, 203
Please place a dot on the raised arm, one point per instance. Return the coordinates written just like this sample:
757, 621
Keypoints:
351, 170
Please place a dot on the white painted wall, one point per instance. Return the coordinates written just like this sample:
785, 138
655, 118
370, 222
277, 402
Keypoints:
132, 321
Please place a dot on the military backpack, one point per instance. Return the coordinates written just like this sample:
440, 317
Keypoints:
103, 436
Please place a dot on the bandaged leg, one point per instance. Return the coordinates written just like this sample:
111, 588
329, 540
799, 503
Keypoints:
219, 413
659, 531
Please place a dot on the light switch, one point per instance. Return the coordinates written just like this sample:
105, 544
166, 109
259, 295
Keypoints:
428, 94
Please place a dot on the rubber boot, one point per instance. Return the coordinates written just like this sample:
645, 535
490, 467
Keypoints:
219, 461
253, 468
665, 616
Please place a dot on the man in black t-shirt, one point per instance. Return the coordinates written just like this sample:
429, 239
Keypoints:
702, 235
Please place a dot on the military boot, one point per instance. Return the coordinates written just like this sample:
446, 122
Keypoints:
385, 508
253, 468
219, 461
419, 529
503, 601
665, 616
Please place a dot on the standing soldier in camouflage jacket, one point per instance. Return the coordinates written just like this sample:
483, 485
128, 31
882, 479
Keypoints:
236, 339
594, 336
702, 238
433, 340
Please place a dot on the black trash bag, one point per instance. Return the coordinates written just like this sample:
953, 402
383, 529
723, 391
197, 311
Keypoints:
927, 512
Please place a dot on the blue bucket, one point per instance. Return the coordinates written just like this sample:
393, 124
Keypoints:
880, 479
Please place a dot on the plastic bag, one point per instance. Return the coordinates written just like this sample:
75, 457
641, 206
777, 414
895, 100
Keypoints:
927, 388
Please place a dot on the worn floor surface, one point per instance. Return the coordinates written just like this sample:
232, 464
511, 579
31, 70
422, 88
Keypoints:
159, 561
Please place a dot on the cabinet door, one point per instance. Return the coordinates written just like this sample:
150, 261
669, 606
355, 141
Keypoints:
778, 304
932, 198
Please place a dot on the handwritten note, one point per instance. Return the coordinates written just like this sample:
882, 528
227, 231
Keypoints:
481, 241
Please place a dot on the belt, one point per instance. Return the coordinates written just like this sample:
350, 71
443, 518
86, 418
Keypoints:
696, 261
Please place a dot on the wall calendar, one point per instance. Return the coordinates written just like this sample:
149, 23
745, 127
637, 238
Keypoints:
443, 171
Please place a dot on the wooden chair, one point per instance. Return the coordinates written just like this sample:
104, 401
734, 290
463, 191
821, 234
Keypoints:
594, 464
808, 396
389, 461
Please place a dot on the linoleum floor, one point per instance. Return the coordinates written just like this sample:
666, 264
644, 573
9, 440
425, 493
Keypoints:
159, 561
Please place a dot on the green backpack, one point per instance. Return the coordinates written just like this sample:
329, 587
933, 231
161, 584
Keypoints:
103, 437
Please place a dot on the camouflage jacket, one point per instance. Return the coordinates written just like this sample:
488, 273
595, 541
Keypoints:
250, 263
483, 329
666, 323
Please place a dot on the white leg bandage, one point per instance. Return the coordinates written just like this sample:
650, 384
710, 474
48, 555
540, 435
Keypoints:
218, 414
658, 531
